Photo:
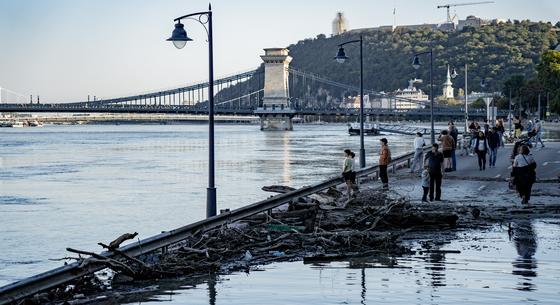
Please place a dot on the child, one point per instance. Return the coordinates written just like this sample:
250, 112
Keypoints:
465, 146
425, 184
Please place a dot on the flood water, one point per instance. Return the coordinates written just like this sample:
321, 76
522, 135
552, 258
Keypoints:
494, 268
74, 186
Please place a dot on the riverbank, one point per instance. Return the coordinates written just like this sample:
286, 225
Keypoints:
325, 228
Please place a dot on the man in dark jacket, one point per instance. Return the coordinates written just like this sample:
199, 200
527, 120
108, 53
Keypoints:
493, 144
434, 161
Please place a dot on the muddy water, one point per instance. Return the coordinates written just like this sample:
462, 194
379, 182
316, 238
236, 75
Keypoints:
495, 267
73, 186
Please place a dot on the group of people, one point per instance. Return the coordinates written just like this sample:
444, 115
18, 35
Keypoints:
349, 166
485, 141
534, 131
431, 167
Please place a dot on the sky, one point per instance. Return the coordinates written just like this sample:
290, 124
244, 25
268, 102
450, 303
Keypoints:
65, 50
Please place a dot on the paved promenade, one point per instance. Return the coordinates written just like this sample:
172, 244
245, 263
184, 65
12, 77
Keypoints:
469, 184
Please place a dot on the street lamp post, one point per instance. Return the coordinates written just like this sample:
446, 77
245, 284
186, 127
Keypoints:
454, 74
180, 39
341, 58
416, 64
509, 113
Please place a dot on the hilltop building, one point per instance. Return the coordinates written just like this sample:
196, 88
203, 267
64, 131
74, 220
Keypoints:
470, 21
338, 24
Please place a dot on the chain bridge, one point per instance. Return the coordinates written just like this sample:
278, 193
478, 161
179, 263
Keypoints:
274, 91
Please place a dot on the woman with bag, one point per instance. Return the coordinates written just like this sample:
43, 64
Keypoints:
524, 173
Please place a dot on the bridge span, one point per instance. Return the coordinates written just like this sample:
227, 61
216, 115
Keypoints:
274, 92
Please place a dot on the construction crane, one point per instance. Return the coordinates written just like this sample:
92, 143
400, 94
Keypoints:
447, 6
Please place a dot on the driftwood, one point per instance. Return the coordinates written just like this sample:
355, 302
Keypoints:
278, 189
141, 263
109, 262
368, 225
117, 242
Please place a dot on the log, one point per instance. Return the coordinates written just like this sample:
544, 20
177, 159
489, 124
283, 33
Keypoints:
117, 242
109, 262
141, 263
278, 189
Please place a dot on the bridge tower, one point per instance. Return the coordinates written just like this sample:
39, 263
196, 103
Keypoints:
276, 113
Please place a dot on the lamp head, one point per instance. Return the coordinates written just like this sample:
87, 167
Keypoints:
454, 74
341, 56
416, 62
179, 36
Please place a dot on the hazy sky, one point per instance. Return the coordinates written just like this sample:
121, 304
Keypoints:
64, 50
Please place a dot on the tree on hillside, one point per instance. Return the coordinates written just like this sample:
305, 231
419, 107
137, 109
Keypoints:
548, 75
478, 104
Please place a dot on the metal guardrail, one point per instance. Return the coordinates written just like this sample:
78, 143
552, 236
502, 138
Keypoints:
35, 284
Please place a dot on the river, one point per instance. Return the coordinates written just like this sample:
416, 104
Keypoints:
74, 186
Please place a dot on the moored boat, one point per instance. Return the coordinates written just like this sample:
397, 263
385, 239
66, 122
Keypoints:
369, 129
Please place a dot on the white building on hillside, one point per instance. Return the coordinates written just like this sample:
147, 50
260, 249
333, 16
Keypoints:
407, 98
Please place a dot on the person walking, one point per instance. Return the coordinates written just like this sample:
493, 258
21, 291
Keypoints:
434, 161
530, 133
354, 174
447, 146
347, 169
538, 133
384, 159
493, 144
486, 127
419, 144
524, 173
501, 130
481, 149
425, 184
454, 133
517, 127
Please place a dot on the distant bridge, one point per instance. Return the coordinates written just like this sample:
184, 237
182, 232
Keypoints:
242, 94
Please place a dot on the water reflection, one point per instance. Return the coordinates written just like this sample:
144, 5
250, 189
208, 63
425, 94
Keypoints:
277, 154
212, 289
525, 265
363, 282
287, 157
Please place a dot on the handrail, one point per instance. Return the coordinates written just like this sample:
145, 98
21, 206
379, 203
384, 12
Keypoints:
35, 284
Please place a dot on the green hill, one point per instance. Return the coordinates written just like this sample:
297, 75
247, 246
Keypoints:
505, 55
492, 52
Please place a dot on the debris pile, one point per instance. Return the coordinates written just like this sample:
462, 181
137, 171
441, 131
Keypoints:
321, 227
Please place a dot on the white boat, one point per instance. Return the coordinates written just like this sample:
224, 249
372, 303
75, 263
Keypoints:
6, 124
35, 123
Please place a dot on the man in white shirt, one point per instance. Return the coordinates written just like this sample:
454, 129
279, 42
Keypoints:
418, 153
538, 133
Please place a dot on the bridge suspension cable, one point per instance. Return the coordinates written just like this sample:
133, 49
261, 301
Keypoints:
373, 93
9, 96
